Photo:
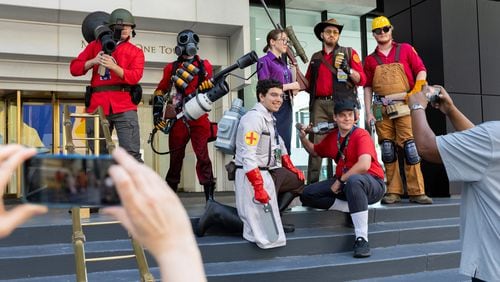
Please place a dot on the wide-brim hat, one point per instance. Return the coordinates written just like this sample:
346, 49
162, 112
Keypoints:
318, 29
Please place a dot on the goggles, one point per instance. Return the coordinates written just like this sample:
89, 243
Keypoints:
385, 29
187, 37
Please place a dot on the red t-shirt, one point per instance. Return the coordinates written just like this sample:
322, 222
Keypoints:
130, 58
359, 143
324, 82
408, 57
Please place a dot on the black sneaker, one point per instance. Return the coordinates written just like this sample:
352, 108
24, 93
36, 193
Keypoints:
288, 228
361, 248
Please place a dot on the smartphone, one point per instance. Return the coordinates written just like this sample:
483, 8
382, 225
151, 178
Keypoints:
69, 181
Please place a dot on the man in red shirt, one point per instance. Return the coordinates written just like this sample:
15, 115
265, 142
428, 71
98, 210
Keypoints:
359, 178
392, 70
180, 79
111, 90
333, 74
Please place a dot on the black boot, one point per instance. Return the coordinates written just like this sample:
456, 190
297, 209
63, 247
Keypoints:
217, 214
209, 191
173, 186
284, 200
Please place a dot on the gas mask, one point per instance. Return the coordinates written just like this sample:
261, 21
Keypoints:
187, 43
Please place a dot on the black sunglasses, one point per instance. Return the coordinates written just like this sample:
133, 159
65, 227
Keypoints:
385, 29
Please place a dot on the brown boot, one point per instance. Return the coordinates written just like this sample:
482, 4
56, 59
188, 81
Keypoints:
390, 198
421, 199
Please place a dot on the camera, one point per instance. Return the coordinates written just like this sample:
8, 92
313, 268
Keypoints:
69, 180
433, 97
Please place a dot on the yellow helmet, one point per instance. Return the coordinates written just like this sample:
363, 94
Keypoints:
380, 22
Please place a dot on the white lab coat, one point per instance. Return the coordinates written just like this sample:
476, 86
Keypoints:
252, 154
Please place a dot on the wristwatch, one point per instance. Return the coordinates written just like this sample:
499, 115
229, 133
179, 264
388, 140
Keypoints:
416, 106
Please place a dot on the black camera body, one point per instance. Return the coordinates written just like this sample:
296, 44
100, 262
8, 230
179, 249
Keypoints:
434, 96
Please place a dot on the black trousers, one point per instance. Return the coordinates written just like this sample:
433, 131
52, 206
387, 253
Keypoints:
359, 191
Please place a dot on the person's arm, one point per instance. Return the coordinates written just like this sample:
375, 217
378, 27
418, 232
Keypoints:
291, 86
368, 98
361, 166
163, 227
308, 145
11, 156
421, 75
425, 139
357, 75
459, 121
132, 72
86, 60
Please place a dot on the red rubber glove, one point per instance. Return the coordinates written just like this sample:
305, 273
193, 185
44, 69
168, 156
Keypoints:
287, 163
255, 178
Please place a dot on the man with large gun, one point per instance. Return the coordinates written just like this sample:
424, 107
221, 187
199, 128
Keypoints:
333, 74
117, 66
180, 79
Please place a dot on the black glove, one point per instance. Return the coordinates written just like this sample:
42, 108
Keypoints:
159, 123
158, 102
345, 66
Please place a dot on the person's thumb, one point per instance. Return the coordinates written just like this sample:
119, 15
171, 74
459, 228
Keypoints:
17, 216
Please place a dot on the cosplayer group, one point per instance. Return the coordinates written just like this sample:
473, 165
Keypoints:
266, 180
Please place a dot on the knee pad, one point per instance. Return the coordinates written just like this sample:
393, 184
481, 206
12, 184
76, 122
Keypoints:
388, 151
411, 153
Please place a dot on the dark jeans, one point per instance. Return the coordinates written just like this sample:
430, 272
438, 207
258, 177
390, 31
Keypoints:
127, 130
284, 120
359, 191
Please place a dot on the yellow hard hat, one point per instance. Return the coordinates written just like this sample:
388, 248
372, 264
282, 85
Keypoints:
380, 22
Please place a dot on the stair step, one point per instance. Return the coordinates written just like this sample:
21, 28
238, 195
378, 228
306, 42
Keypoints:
417, 262
312, 241
389, 261
54, 259
427, 276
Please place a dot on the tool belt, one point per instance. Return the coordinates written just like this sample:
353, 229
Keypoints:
135, 91
394, 105
123, 88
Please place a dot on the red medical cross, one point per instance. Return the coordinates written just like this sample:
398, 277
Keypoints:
251, 138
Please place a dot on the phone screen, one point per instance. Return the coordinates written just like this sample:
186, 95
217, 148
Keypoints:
69, 180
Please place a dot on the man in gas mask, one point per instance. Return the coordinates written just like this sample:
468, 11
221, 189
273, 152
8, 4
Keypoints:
115, 76
180, 79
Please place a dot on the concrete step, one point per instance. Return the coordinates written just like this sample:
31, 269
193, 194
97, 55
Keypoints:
427, 276
55, 227
437, 261
313, 241
58, 259
396, 260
